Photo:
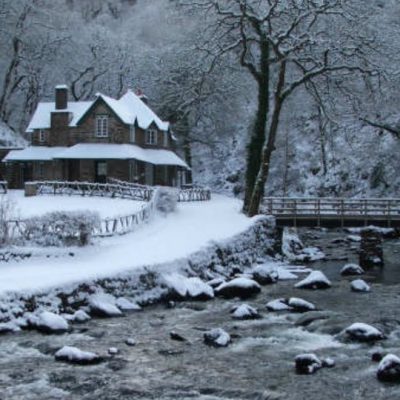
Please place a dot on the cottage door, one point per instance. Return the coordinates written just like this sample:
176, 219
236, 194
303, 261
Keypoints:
149, 174
101, 171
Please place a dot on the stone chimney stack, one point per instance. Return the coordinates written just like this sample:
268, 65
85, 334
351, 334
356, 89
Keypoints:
61, 97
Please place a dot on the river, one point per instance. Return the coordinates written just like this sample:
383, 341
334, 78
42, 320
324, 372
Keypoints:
259, 364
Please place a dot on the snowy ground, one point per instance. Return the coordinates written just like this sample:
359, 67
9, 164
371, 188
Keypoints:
24, 207
165, 239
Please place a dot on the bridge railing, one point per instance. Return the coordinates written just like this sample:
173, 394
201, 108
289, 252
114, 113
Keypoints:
341, 207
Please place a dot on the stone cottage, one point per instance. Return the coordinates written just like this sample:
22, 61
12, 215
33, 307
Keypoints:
96, 140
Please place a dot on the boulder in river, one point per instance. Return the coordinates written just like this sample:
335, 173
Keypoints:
278, 305
74, 355
238, 287
389, 369
183, 288
364, 333
307, 364
217, 338
81, 316
351, 269
48, 322
265, 274
315, 280
103, 306
297, 304
126, 305
244, 311
359, 285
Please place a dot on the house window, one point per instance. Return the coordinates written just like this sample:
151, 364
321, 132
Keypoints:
151, 136
166, 139
42, 135
132, 134
102, 125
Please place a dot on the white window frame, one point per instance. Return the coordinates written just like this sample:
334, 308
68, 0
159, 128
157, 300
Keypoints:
151, 136
101, 125
42, 135
132, 133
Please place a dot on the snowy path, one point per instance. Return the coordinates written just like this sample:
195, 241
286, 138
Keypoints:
163, 240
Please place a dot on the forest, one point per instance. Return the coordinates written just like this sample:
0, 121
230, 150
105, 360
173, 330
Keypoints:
279, 97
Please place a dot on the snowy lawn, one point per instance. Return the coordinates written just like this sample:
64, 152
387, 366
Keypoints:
165, 239
25, 207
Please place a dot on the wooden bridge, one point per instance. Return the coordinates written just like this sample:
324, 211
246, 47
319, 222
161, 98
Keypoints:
332, 212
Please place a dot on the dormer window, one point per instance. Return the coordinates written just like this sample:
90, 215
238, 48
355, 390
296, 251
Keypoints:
42, 135
132, 133
102, 125
166, 139
151, 136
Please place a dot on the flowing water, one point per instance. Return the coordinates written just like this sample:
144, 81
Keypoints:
259, 364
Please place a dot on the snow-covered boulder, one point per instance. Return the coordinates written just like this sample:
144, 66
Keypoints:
113, 351
389, 369
285, 275
103, 306
177, 336
80, 317
48, 322
244, 311
294, 250
125, 305
352, 269
359, 285
315, 280
364, 332
293, 304
216, 282
8, 327
217, 337
265, 274
299, 305
278, 305
181, 288
74, 355
130, 342
238, 287
354, 238
307, 364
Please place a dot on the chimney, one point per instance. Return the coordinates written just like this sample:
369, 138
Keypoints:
142, 96
61, 97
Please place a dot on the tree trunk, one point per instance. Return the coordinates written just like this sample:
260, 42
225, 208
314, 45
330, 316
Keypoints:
254, 148
269, 146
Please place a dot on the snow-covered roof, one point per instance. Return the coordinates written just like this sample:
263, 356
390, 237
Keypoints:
129, 108
41, 119
97, 151
34, 153
113, 151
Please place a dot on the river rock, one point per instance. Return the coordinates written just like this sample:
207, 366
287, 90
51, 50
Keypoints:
315, 280
130, 342
217, 338
307, 364
103, 306
309, 317
244, 311
8, 327
81, 316
352, 269
389, 369
238, 287
74, 355
299, 305
113, 351
364, 332
359, 285
176, 336
126, 305
278, 305
265, 274
183, 288
48, 322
